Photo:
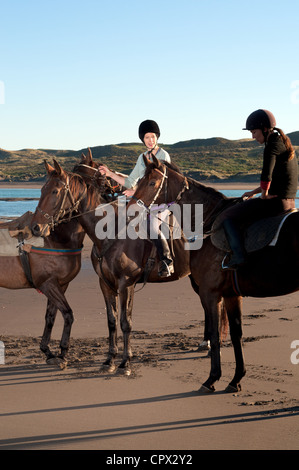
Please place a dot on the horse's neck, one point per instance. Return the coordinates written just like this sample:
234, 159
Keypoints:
89, 217
66, 235
200, 194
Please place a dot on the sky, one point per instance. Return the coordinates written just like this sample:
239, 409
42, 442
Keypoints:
82, 73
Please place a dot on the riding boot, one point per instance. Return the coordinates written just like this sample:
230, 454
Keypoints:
235, 240
166, 263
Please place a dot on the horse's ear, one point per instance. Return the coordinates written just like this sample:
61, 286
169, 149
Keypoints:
83, 158
58, 168
89, 156
146, 160
49, 168
156, 161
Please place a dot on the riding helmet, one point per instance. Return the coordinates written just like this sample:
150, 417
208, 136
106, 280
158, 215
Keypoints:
148, 126
260, 119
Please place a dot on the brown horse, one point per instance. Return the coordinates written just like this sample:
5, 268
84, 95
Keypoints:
270, 271
53, 267
119, 263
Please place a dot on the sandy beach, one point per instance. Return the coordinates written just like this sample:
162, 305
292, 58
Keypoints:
158, 407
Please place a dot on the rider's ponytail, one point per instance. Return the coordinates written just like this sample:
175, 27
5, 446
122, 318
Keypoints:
287, 143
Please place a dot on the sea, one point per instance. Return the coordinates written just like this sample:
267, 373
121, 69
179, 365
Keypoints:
18, 207
30, 198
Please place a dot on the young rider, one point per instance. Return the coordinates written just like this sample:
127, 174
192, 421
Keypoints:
149, 134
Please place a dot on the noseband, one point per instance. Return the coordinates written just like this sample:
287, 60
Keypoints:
59, 217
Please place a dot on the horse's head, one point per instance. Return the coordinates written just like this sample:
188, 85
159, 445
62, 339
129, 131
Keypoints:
161, 183
60, 198
89, 170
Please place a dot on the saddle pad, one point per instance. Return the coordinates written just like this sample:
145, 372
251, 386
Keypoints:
9, 246
22, 222
262, 233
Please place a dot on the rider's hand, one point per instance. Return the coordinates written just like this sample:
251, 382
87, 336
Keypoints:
129, 192
248, 195
104, 170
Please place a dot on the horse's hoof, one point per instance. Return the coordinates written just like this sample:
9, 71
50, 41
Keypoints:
204, 346
57, 361
205, 389
233, 389
124, 371
109, 368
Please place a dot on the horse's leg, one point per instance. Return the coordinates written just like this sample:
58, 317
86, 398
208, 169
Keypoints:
55, 293
112, 317
126, 296
205, 344
212, 307
50, 317
49, 322
234, 312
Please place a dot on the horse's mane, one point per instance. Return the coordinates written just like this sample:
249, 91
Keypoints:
151, 166
206, 189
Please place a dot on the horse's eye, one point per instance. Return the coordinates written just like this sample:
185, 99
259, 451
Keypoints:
55, 191
152, 183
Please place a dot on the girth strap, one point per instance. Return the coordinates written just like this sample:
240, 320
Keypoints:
24, 258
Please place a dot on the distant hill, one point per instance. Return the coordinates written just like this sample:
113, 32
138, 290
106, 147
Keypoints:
210, 159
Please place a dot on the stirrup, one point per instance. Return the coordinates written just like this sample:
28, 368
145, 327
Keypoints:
166, 268
228, 264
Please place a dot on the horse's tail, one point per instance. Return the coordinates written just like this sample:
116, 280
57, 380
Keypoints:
223, 323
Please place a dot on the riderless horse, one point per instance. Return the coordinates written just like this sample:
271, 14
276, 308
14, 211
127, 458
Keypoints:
50, 268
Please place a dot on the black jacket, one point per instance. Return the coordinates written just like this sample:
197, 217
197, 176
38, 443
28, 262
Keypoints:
282, 173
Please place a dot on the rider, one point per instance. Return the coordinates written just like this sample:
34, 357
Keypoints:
149, 134
278, 185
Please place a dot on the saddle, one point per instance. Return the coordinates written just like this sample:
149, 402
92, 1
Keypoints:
16, 233
264, 232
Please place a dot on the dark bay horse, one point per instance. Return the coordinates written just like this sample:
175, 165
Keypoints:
55, 265
119, 263
271, 271
52, 268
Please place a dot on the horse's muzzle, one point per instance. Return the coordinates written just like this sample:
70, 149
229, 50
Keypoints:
40, 230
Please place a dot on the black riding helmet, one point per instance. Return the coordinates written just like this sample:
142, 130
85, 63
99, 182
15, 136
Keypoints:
148, 126
259, 120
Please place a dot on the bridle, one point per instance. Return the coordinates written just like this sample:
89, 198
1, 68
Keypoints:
97, 177
60, 216
140, 203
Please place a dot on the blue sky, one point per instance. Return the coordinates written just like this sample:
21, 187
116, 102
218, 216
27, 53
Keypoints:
78, 73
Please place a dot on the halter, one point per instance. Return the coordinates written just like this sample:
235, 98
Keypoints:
140, 203
58, 218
